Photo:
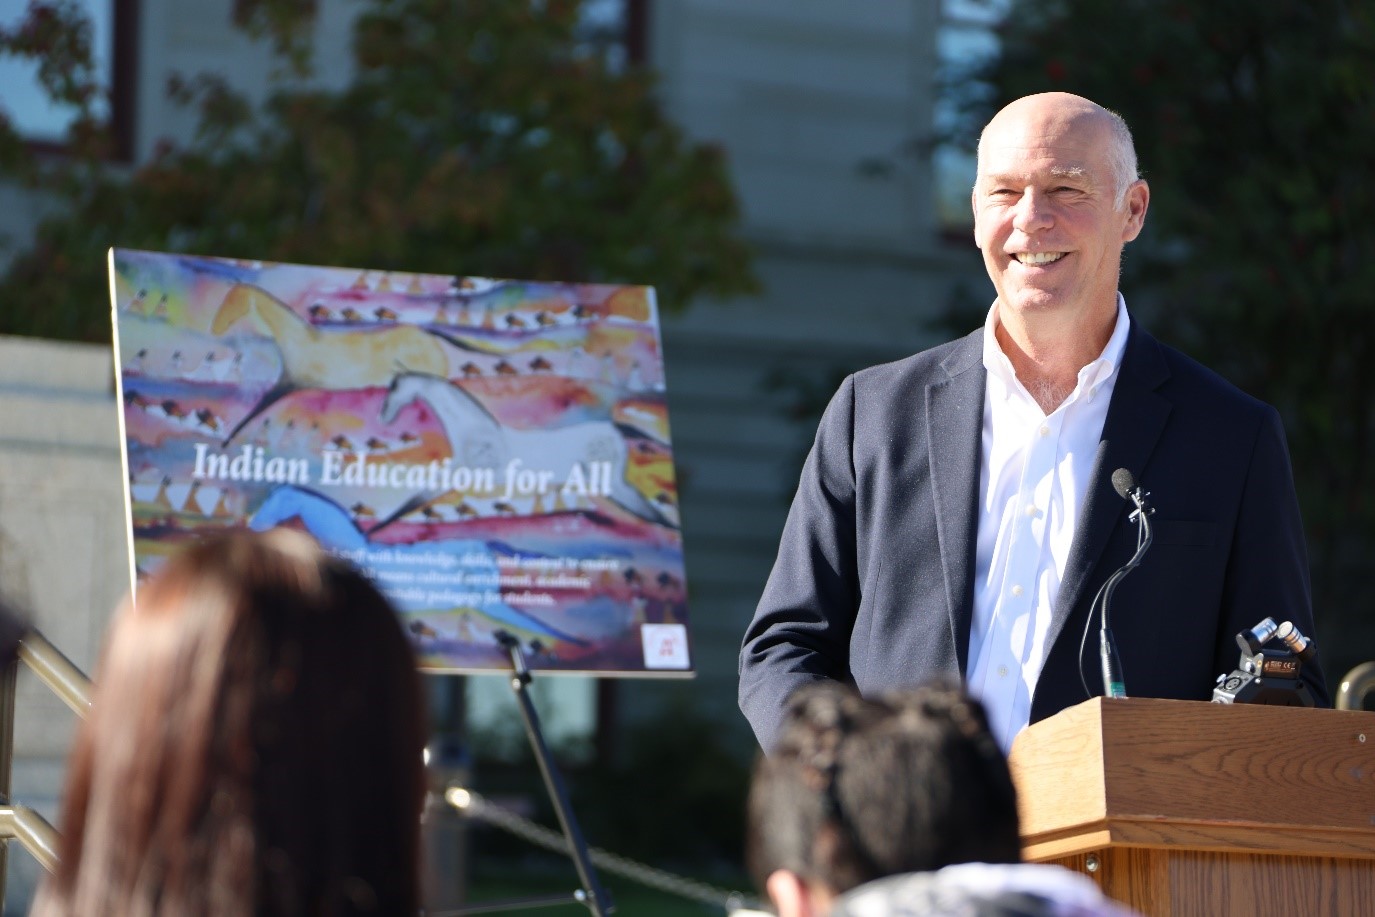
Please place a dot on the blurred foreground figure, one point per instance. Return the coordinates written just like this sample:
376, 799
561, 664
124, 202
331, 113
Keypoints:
254, 745
897, 805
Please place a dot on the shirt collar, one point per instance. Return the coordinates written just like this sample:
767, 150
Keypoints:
1000, 367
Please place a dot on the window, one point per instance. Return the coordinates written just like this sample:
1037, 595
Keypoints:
967, 38
35, 116
614, 29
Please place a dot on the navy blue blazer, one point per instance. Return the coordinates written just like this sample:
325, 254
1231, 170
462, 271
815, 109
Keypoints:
874, 580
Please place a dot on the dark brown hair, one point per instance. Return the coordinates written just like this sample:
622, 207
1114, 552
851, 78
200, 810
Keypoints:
254, 744
862, 788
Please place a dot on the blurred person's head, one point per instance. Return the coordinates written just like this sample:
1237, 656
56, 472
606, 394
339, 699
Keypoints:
858, 789
254, 744
985, 890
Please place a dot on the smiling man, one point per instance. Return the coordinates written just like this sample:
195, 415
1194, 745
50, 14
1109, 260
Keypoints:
957, 514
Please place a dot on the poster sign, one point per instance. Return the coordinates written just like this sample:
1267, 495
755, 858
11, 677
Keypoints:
494, 453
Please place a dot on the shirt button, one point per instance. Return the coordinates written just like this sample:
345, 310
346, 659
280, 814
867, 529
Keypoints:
1017, 590
1030, 511
1002, 671
1045, 430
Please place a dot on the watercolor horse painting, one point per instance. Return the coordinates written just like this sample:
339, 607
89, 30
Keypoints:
495, 453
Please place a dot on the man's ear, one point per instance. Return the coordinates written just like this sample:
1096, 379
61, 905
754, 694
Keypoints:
974, 209
1137, 202
789, 894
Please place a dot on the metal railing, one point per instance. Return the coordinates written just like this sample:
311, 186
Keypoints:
68, 682
473, 804
33, 831
1356, 686
56, 671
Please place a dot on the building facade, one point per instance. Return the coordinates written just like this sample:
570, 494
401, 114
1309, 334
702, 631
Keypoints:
825, 112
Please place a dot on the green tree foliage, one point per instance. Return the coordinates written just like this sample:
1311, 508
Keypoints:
478, 137
1255, 126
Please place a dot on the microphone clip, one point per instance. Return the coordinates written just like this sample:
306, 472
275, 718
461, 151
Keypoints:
1139, 497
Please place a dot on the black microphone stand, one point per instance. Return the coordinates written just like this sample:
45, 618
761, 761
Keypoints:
1113, 684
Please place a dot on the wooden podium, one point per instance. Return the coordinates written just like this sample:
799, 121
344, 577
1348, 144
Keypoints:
1181, 808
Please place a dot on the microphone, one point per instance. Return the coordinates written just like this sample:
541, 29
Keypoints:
1125, 483
1293, 638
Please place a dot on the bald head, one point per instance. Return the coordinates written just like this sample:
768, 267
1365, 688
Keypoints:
1063, 114
1055, 201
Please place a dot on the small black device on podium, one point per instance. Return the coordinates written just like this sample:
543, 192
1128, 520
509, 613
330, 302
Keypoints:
1268, 674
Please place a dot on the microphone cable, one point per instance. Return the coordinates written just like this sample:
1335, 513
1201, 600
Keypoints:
1124, 482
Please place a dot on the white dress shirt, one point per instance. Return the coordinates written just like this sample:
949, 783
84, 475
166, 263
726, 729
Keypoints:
1033, 480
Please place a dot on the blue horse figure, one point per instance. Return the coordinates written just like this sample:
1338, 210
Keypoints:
327, 521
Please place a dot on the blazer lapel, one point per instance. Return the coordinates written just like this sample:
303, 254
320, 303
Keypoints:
954, 433
1134, 423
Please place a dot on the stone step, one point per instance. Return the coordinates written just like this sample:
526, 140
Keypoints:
60, 365
56, 396
57, 421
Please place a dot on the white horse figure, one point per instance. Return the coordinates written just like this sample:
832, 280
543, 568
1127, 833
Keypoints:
479, 440
332, 359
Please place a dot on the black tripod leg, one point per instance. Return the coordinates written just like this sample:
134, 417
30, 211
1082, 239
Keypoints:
597, 901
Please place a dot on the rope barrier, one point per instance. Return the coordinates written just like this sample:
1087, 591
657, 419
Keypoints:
474, 805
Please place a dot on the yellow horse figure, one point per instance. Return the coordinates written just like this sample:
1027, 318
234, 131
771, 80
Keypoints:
332, 359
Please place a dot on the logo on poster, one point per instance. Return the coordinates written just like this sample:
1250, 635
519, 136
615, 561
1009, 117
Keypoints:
665, 646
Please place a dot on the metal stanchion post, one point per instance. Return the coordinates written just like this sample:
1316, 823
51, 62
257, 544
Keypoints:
444, 830
7, 688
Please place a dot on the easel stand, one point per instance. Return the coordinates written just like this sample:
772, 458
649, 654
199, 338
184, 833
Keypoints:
591, 893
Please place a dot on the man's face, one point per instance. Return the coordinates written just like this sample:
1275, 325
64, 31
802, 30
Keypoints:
1045, 213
